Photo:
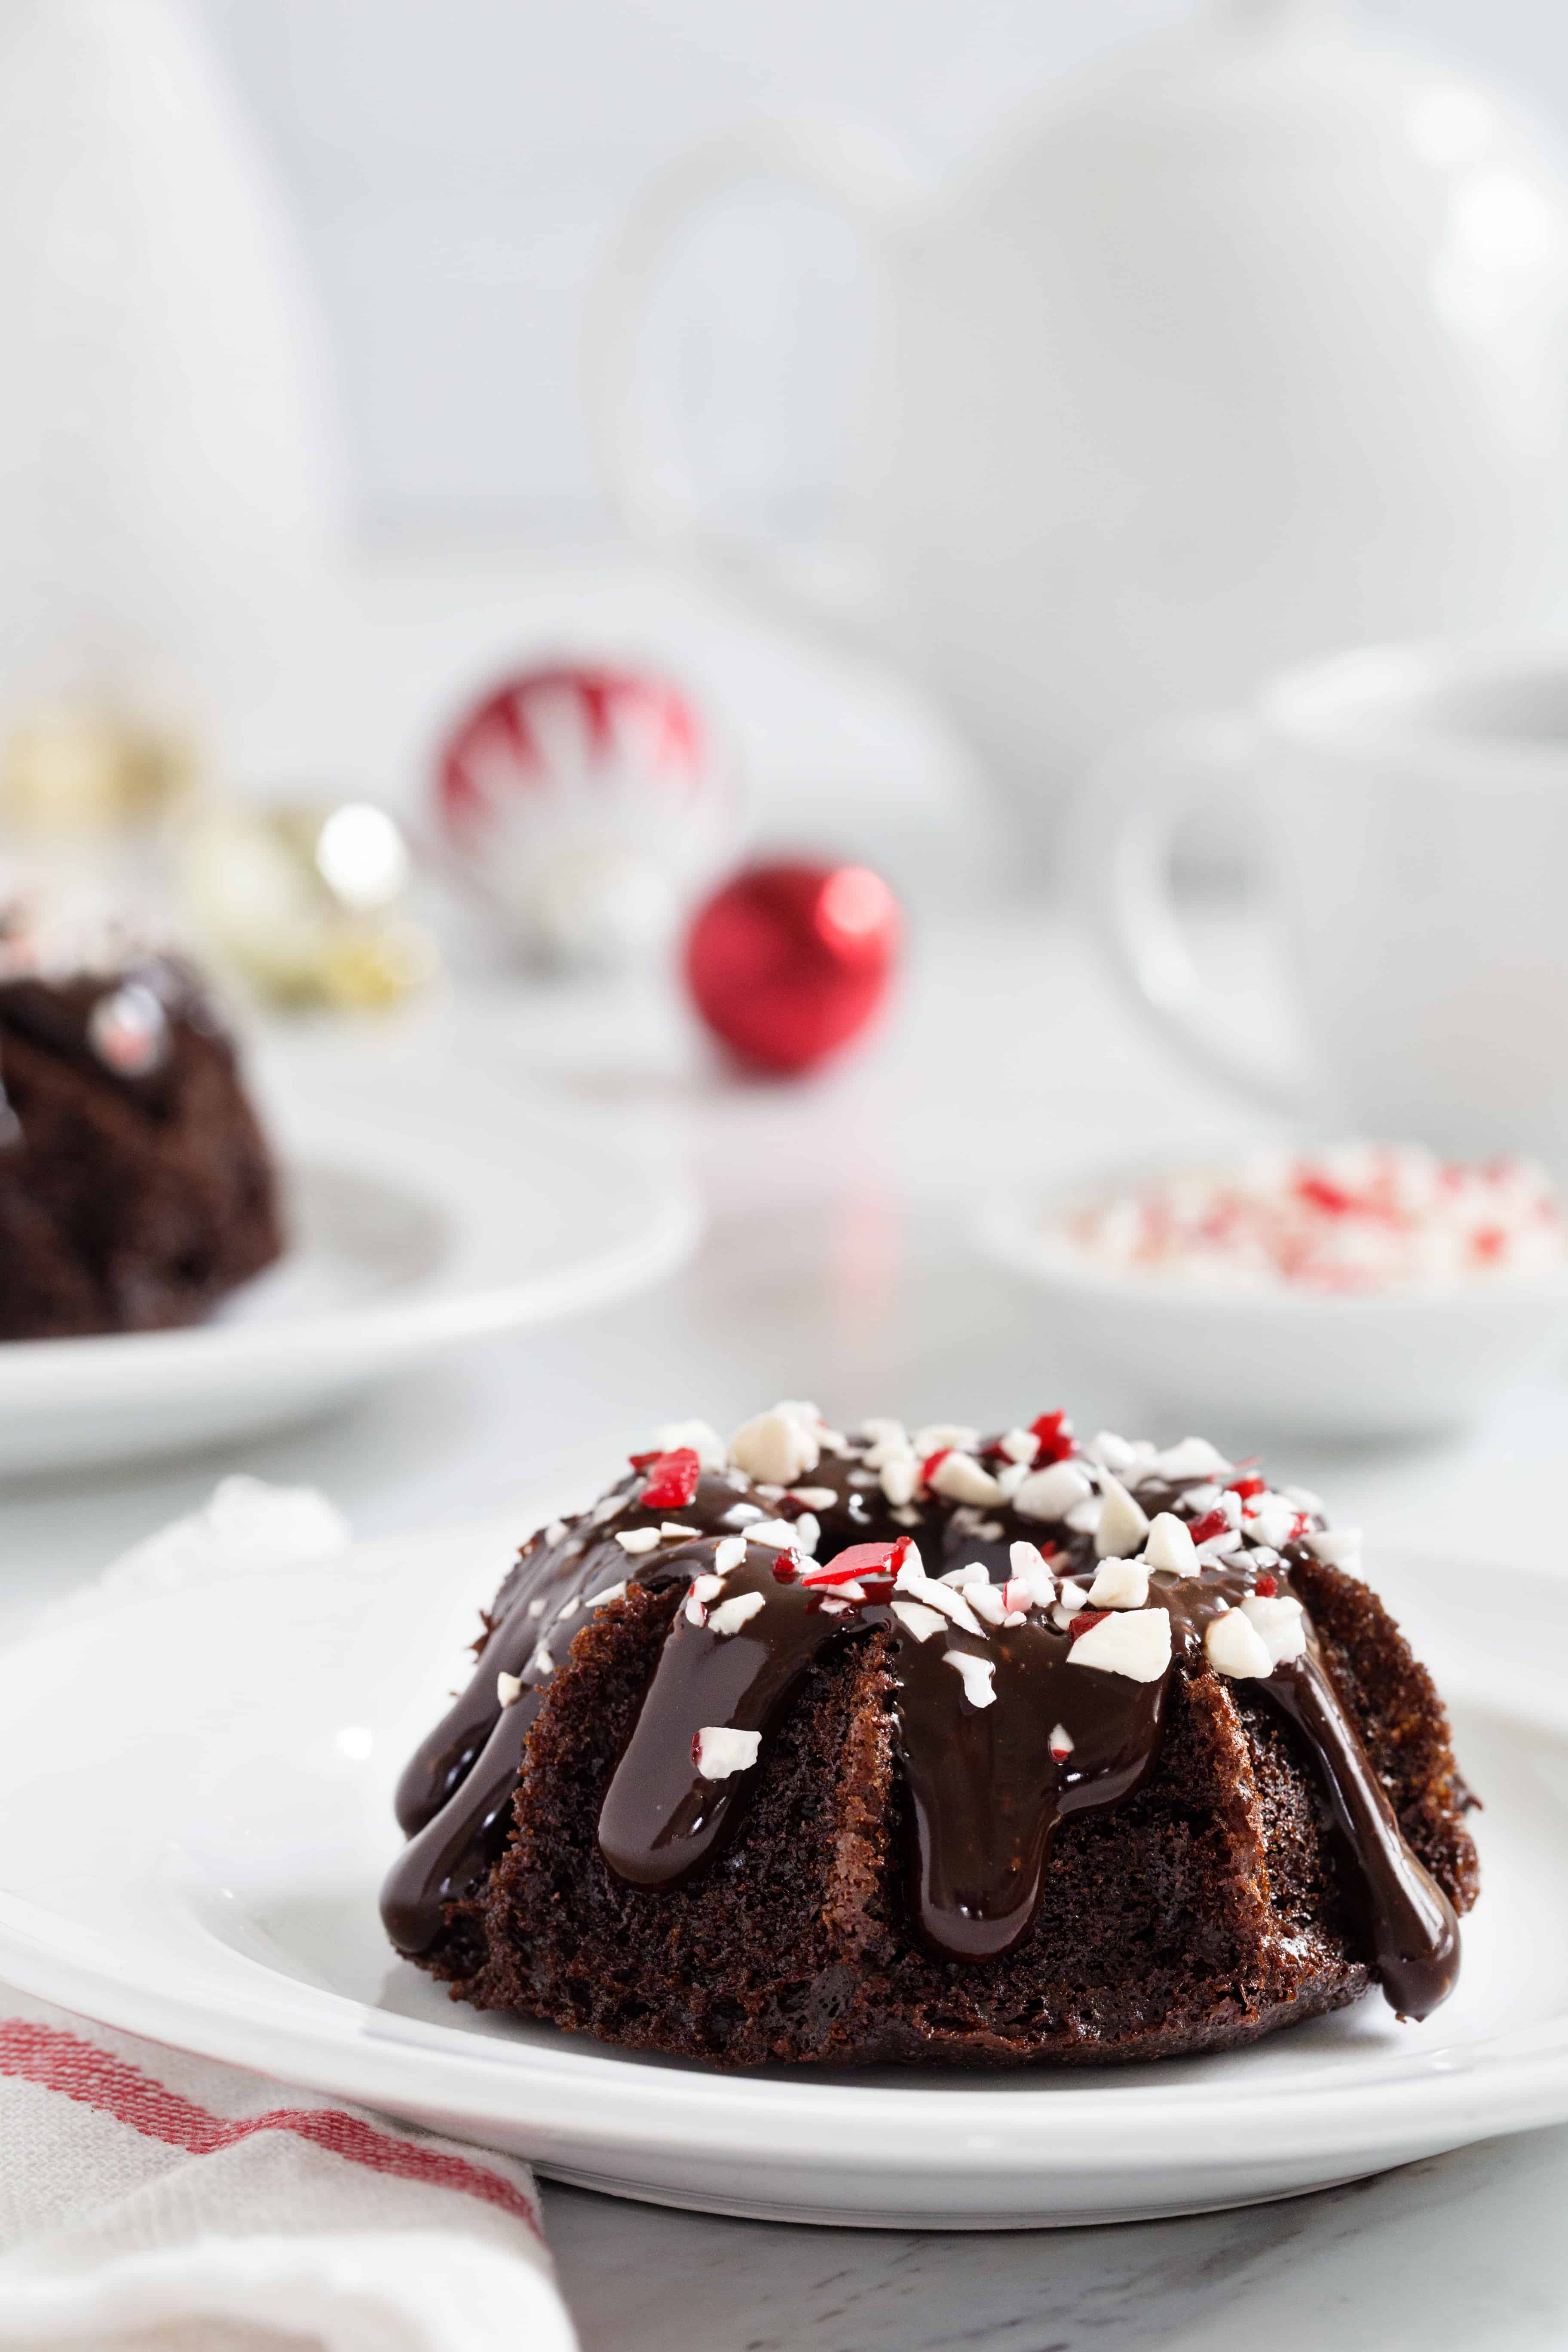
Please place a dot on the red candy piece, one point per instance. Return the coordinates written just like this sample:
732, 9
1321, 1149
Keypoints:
787, 963
641, 1461
933, 1463
786, 1564
1246, 1486
1054, 1431
1323, 1194
860, 1560
672, 1480
1085, 1619
1213, 1523
1266, 1587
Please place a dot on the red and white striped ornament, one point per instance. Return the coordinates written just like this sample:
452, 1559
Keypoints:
586, 802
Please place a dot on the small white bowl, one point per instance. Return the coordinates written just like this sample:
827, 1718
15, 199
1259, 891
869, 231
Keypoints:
1391, 1364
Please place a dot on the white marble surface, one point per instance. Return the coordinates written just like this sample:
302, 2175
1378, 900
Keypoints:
837, 1265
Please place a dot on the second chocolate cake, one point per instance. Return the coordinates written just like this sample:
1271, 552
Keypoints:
995, 1750
136, 1189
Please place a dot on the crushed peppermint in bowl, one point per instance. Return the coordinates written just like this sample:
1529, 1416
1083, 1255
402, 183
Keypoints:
1347, 1291
1345, 1221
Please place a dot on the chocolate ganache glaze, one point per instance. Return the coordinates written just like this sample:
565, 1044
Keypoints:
1033, 1604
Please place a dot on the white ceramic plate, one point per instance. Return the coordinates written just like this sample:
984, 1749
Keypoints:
194, 1815
401, 1244
1391, 1365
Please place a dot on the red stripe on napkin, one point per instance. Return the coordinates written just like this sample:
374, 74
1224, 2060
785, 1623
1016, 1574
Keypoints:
78, 2070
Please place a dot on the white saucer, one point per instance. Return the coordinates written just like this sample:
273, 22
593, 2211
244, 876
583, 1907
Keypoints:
400, 1244
195, 1814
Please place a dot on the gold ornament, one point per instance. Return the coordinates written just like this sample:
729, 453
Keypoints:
306, 902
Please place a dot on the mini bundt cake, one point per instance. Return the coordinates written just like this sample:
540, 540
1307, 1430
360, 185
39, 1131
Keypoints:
135, 1187
1004, 1751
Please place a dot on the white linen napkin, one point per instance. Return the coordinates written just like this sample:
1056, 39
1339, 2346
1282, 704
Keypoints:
157, 2201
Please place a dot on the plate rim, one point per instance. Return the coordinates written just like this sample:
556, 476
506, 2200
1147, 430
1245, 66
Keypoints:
105, 1367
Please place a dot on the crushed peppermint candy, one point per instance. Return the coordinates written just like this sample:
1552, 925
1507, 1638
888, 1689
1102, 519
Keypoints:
719, 1750
638, 1539
1132, 1642
979, 1676
731, 1615
1346, 1219
509, 1689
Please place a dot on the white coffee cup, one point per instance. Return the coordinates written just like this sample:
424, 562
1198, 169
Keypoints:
1412, 804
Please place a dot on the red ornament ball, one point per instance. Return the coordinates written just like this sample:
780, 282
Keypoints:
788, 962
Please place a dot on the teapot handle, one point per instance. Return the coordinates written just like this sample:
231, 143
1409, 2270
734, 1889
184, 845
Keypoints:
835, 587
1129, 820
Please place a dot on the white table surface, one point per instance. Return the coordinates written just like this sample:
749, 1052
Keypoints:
837, 1265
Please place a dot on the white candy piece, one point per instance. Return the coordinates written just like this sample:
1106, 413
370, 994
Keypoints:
979, 1675
938, 1433
1052, 1493
1073, 1597
1061, 1742
942, 1596
1111, 1453
813, 1499
555, 1531
702, 1439
883, 1430
985, 1600
918, 1619
1084, 1517
1132, 1642
911, 1569
900, 1476
542, 1663
889, 1449
606, 1508
741, 1515
960, 1478
1122, 1525
673, 1531
1269, 1518
721, 1750
639, 1540
731, 1615
777, 1534
1032, 1570
601, 1599
693, 1611
1235, 1646
509, 1689
1336, 1547
707, 1587
1281, 1624
729, 1554
1195, 1457
1020, 1446
778, 1447
1303, 1497
808, 1531
1119, 1584
1170, 1545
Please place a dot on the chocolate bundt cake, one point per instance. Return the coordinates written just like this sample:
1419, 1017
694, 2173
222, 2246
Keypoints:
1005, 1751
135, 1187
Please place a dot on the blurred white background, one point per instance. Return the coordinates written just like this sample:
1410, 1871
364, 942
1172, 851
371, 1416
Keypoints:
456, 171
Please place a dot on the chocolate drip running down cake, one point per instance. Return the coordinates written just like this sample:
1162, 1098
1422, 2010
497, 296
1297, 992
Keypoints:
936, 1747
135, 1187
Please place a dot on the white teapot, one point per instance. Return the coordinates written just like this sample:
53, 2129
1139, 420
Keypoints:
1250, 343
